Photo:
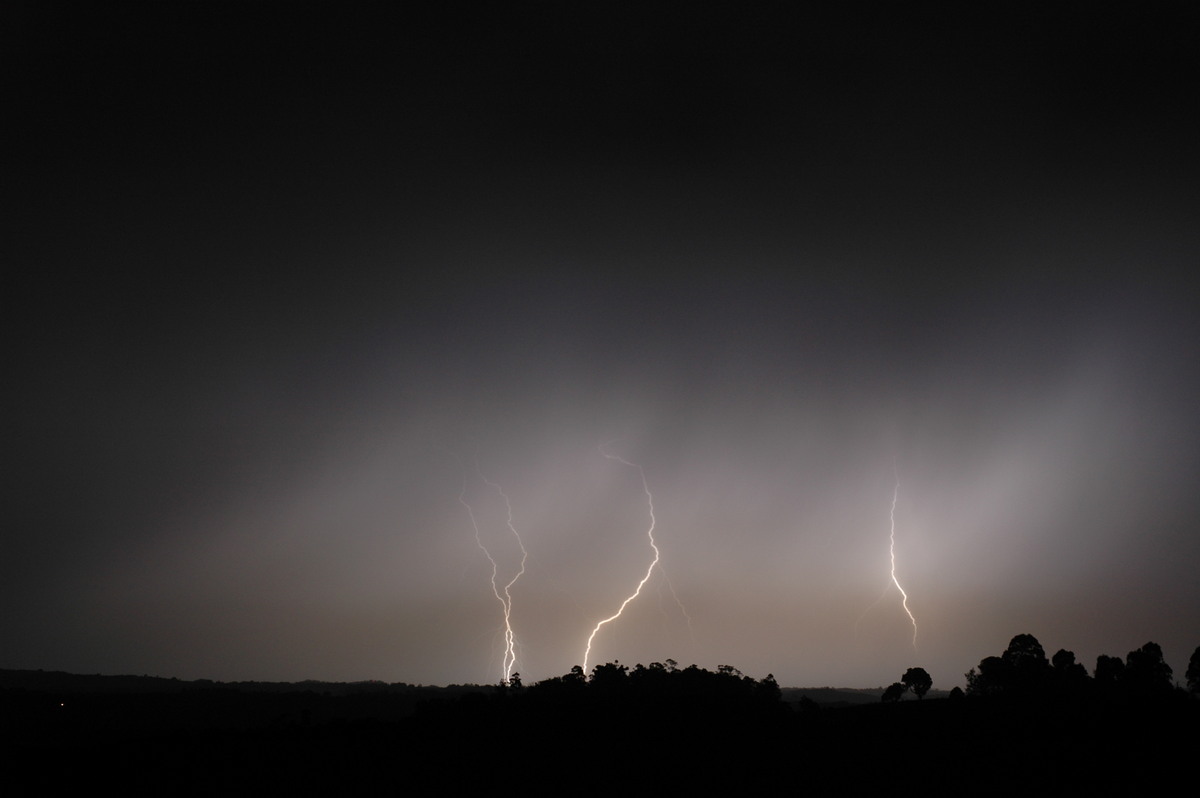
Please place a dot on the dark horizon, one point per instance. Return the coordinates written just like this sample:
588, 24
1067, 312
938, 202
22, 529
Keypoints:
283, 275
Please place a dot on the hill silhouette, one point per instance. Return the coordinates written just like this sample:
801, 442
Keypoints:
656, 727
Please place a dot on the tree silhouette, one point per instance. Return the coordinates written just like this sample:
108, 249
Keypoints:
768, 689
1193, 672
1027, 658
1068, 674
1146, 670
1021, 669
917, 680
608, 676
1026, 654
1109, 671
993, 677
892, 694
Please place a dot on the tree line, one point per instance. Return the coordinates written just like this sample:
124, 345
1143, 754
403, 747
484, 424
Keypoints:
1024, 670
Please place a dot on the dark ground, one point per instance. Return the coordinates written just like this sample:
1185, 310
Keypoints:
382, 739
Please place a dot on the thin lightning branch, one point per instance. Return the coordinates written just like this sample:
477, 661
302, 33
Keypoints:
683, 609
650, 534
505, 599
903, 595
867, 611
510, 656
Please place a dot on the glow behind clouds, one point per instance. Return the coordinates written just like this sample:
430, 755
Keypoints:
268, 284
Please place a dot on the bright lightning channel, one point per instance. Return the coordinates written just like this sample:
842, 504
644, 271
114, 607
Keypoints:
650, 534
503, 595
903, 595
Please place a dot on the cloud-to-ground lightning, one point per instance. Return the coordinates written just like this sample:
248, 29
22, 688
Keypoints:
892, 541
895, 581
650, 570
502, 594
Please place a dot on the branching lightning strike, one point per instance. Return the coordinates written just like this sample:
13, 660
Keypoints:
650, 570
503, 595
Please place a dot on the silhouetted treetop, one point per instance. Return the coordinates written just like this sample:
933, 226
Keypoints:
1146, 670
1026, 655
612, 686
1068, 674
1109, 671
1024, 671
917, 680
1021, 670
1193, 672
993, 676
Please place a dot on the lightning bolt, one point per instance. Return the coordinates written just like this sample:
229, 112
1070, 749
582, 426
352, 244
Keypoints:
502, 594
895, 581
650, 534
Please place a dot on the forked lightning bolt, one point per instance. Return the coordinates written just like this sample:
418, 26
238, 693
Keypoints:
650, 570
903, 595
503, 595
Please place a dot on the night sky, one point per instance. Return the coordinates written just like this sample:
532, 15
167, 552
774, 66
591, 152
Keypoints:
286, 283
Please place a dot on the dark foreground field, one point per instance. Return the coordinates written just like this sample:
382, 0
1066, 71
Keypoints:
160, 737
